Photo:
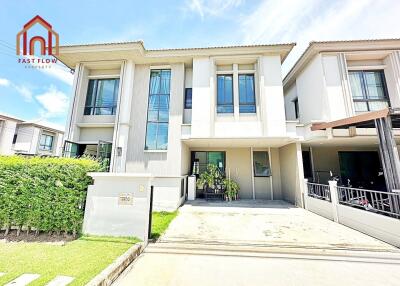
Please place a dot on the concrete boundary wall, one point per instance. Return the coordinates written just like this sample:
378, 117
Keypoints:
379, 226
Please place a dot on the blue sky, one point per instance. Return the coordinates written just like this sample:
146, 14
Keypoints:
44, 95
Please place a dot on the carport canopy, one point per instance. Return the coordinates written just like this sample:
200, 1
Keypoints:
383, 120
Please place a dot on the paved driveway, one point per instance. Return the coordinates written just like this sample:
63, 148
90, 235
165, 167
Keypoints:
263, 223
258, 243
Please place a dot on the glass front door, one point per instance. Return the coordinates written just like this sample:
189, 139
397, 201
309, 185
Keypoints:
200, 160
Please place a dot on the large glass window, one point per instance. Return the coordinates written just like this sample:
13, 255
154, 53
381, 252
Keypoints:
46, 142
224, 94
101, 98
247, 99
261, 164
368, 90
158, 110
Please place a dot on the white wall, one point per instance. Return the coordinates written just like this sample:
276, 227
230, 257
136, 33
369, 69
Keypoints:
290, 95
25, 138
7, 131
311, 90
292, 176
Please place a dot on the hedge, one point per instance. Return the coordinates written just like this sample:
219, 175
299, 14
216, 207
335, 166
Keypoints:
47, 194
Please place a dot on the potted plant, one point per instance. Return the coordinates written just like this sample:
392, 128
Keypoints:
231, 189
209, 178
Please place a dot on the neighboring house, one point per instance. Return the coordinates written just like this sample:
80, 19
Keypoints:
8, 126
28, 138
339, 80
160, 111
33, 138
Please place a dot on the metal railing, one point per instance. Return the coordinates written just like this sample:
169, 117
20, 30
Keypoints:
319, 191
386, 203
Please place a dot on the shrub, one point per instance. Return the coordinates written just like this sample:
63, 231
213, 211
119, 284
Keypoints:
47, 194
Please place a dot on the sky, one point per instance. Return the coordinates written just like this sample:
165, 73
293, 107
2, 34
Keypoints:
44, 95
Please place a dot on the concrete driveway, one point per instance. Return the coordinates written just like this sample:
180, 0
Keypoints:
261, 243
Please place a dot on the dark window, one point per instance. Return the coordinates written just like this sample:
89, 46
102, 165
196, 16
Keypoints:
158, 110
15, 138
261, 164
307, 167
296, 107
247, 99
46, 142
201, 159
224, 94
101, 98
188, 98
368, 89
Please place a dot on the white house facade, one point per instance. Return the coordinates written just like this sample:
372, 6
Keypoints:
159, 112
28, 138
343, 81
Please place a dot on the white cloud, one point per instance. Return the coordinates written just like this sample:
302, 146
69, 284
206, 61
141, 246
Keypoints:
53, 101
4, 82
277, 21
24, 91
211, 7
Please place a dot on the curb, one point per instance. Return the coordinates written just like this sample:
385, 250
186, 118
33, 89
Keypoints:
111, 273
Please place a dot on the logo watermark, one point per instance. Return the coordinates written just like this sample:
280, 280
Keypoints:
48, 43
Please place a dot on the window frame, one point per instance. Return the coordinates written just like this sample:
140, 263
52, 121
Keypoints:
231, 75
158, 122
267, 161
42, 147
254, 93
365, 92
95, 94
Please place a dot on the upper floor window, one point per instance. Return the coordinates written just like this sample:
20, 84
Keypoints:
224, 94
102, 96
46, 142
247, 99
368, 89
158, 110
188, 98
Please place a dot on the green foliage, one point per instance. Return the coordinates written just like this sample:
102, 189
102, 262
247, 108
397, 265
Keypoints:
210, 176
47, 194
231, 189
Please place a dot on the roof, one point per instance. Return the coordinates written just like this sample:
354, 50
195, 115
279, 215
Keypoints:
43, 125
70, 55
316, 47
9, 117
38, 123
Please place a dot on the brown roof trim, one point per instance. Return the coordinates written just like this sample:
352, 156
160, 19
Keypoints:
351, 120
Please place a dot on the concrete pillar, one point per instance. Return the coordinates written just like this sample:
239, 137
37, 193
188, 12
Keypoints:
334, 199
120, 144
191, 188
305, 194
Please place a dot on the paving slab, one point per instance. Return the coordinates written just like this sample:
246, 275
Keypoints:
23, 280
60, 281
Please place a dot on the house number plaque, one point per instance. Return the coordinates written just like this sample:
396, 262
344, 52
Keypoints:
125, 199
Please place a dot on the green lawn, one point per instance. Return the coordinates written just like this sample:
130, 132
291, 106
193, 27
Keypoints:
160, 222
83, 258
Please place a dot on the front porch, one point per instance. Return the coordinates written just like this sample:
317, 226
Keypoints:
258, 170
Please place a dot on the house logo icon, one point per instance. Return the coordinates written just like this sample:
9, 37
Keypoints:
48, 49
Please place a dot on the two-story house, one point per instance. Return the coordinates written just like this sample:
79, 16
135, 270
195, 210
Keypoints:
29, 138
163, 111
339, 80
